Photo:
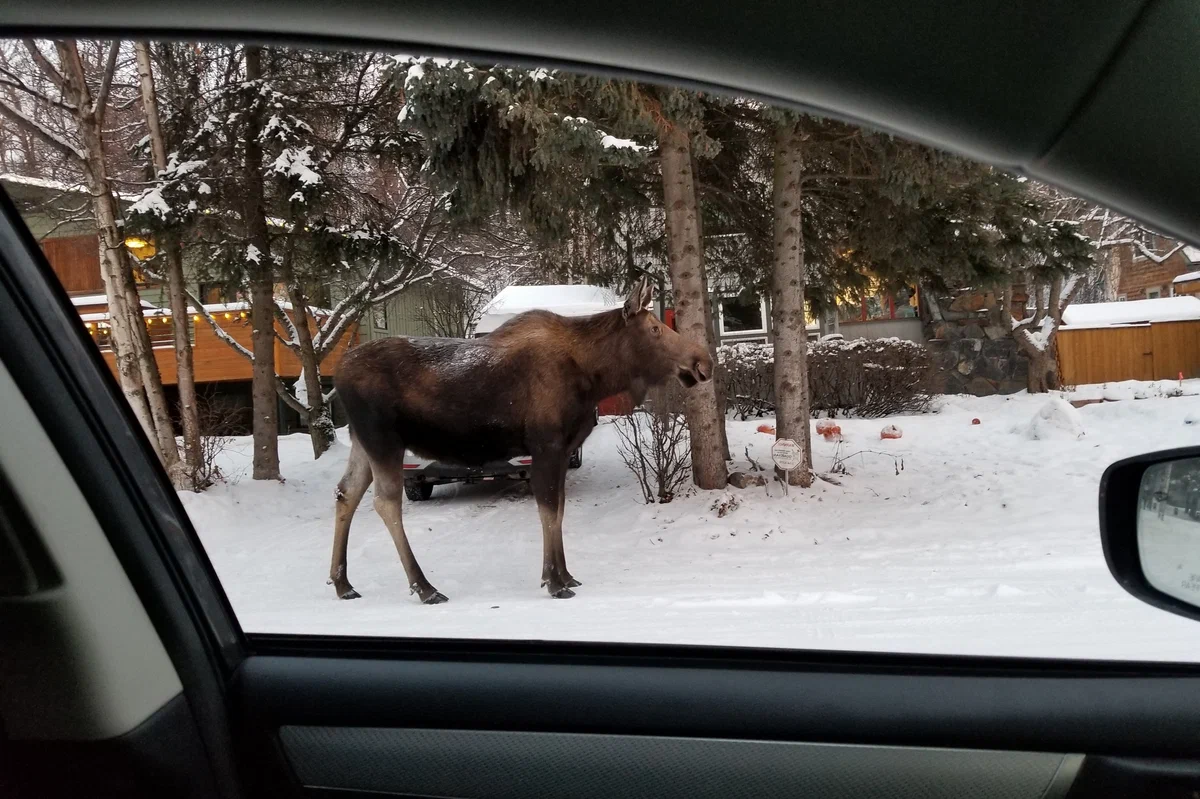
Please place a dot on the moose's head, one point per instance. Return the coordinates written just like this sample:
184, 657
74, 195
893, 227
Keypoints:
659, 352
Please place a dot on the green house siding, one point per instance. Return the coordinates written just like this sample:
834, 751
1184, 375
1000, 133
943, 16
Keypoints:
402, 314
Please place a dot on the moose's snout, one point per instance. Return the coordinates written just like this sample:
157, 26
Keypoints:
700, 371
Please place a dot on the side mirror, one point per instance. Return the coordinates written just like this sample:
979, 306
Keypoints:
1150, 527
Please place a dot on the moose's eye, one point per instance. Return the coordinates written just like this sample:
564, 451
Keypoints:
657, 330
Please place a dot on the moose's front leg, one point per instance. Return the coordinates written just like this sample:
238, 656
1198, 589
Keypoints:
549, 482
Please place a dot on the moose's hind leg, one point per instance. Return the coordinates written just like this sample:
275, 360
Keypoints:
350, 490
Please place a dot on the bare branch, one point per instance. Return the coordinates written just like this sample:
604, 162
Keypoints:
43, 134
100, 104
12, 79
44, 65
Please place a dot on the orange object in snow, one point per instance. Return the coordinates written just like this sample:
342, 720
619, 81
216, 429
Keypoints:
891, 431
826, 427
766, 428
975, 421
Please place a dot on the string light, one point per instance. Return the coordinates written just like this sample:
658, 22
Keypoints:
196, 318
228, 316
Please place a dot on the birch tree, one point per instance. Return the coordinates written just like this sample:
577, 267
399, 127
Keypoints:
75, 90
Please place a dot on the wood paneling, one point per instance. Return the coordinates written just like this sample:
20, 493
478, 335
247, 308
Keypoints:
1160, 351
76, 261
217, 362
1176, 349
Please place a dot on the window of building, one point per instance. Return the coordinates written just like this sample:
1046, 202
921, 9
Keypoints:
880, 305
743, 314
379, 317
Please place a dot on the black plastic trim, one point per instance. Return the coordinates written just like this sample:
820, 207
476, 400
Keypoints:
1154, 716
673, 655
1119, 497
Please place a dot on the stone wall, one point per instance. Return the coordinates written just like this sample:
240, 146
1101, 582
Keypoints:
978, 366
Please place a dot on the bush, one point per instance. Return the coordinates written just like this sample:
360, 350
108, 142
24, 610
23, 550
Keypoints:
653, 442
871, 378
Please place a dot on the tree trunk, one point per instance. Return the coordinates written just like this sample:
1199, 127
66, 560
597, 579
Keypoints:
787, 302
131, 341
320, 419
176, 285
262, 295
722, 409
691, 297
1043, 370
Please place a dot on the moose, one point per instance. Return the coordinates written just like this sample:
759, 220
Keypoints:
530, 388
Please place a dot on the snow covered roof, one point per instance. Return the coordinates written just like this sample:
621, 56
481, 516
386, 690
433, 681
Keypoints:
1192, 254
98, 299
54, 185
562, 300
1109, 314
1187, 277
212, 308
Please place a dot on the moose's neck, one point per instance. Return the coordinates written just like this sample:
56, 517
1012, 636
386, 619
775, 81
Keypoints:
601, 349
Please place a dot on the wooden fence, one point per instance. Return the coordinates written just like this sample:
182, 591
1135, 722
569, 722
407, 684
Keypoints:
1158, 351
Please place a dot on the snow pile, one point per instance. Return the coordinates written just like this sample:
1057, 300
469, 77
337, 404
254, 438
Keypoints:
1135, 390
1057, 419
1108, 314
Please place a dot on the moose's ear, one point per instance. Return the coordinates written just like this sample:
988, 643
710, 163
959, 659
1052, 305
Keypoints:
639, 298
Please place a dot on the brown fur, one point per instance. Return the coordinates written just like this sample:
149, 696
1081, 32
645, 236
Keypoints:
530, 388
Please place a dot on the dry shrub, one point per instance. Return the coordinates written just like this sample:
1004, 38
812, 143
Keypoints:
219, 422
870, 378
653, 442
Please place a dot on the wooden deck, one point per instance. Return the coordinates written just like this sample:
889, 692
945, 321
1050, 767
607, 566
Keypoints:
217, 362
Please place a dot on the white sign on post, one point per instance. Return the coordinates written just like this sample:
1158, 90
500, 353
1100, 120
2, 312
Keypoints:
786, 454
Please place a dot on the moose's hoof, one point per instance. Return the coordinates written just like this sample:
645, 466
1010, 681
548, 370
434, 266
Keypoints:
436, 598
573, 583
349, 593
562, 593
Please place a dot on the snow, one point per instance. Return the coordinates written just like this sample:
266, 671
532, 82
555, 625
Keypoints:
1055, 420
253, 254
204, 188
99, 299
1192, 254
986, 543
152, 203
1107, 314
300, 391
1136, 390
1187, 277
297, 162
613, 143
575, 300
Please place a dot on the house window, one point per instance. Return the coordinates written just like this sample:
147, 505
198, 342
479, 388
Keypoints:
1153, 294
743, 314
880, 306
1121, 298
379, 317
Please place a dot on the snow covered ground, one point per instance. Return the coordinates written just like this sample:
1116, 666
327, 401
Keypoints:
985, 543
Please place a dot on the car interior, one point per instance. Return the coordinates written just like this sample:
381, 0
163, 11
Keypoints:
124, 672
